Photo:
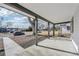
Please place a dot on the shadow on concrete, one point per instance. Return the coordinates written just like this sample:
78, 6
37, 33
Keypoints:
59, 50
2, 52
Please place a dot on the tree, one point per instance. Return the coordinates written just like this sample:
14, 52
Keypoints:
32, 22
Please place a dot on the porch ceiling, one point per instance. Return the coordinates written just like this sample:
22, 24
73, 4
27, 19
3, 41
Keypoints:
54, 12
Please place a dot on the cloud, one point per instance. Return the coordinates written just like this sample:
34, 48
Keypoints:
5, 12
17, 19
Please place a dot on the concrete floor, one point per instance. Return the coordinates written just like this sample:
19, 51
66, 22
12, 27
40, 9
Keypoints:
48, 47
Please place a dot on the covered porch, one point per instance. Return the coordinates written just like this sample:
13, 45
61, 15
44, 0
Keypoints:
46, 36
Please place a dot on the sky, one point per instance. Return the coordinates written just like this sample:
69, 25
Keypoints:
13, 19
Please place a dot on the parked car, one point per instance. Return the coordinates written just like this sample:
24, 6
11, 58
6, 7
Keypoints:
18, 33
12, 31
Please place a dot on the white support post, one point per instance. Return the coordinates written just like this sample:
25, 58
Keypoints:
53, 29
36, 29
72, 25
48, 30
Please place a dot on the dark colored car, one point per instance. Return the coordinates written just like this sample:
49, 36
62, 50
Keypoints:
12, 31
18, 33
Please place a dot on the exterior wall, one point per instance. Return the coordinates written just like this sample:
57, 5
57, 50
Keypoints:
75, 35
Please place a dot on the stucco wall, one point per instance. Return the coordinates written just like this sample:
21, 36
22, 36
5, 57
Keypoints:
75, 34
